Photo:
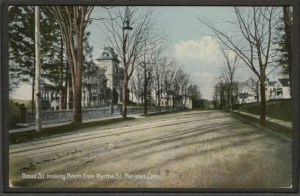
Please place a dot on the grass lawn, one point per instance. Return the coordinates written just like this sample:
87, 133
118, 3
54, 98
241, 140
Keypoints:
269, 125
281, 109
26, 136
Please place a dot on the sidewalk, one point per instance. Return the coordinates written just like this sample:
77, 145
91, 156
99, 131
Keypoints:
47, 125
283, 123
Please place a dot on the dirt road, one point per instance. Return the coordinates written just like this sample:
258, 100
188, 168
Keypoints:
189, 149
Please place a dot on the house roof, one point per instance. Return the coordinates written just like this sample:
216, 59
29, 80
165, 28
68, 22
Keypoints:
271, 83
108, 54
284, 82
243, 95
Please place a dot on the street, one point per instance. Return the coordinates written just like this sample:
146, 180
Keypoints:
189, 149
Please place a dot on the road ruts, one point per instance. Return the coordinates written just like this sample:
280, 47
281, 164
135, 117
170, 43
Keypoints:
183, 150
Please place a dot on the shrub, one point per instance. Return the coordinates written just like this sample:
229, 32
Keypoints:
14, 114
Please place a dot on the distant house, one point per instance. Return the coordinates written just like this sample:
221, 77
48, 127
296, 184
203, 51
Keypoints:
166, 100
187, 102
279, 89
247, 92
102, 81
245, 97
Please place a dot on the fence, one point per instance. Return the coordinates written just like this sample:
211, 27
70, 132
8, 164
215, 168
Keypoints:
91, 113
51, 116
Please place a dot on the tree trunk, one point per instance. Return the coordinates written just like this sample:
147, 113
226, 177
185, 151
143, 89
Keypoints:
173, 103
288, 31
66, 89
231, 95
167, 104
61, 75
159, 100
124, 112
60, 100
262, 103
32, 94
77, 118
257, 91
145, 92
222, 99
228, 99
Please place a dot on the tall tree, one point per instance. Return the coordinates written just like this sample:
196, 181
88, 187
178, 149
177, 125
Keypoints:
137, 85
228, 73
158, 80
21, 48
127, 31
284, 40
183, 81
253, 44
147, 62
194, 93
169, 72
219, 93
72, 21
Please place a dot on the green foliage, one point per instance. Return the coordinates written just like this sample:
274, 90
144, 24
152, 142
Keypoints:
281, 47
201, 104
22, 51
14, 115
194, 92
279, 109
26, 103
21, 45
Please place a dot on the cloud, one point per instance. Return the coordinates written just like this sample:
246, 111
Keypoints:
202, 59
205, 50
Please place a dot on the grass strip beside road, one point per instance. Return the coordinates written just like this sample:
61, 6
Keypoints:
165, 113
275, 128
26, 136
277, 109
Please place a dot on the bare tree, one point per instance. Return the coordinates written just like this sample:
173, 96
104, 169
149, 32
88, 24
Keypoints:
127, 31
184, 80
179, 86
228, 73
147, 62
169, 71
194, 94
137, 85
219, 93
253, 44
158, 80
72, 21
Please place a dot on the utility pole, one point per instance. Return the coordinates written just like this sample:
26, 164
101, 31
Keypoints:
112, 89
37, 71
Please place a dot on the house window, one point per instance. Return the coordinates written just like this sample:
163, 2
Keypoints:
116, 69
279, 92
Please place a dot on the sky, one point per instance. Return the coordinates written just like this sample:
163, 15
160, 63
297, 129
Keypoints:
187, 39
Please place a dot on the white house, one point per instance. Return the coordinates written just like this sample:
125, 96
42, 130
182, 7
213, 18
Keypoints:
107, 83
247, 92
280, 89
166, 100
